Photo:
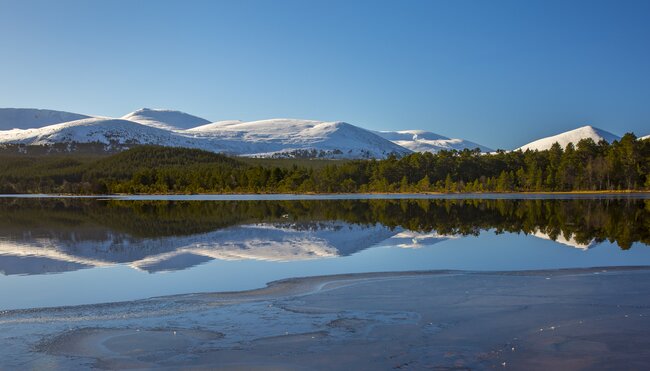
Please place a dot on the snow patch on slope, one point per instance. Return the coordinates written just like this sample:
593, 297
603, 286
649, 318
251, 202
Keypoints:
425, 141
214, 126
27, 118
572, 136
165, 119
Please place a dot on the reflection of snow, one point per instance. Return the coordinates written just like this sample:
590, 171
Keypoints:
415, 240
290, 249
264, 241
44, 249
571, 241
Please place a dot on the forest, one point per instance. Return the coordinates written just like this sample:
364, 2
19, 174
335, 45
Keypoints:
588, 166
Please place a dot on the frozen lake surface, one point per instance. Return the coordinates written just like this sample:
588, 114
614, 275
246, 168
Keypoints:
57, 251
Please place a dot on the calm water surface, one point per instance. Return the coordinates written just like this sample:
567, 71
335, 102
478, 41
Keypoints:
64, 251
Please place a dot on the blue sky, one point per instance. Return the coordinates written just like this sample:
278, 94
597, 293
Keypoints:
496, 72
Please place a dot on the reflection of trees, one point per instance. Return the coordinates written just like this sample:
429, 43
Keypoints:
623, 221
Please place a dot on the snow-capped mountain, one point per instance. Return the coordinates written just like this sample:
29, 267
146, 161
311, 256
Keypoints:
297, 138
425, 141
111, 132
572, 136
267, 138
645, 137
28, 118
279, 138
165, 119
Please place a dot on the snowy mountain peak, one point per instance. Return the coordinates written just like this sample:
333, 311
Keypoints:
425, 141
165, 119
571, 136
28, 118
106, 131
286, 137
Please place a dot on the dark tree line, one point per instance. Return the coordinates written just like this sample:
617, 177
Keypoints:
587, 166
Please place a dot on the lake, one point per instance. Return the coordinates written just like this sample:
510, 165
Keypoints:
57, 251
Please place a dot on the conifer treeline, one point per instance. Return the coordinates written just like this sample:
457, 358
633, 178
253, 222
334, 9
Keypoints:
588, 166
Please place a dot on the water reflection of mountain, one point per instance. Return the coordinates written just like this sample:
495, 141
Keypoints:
25, 265
36, 254
58, 235
415, 240
570, 240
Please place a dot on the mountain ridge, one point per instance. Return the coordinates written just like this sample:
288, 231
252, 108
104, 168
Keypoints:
426, 141
276, 138
107, 131
266, 138
281, 136
32, 118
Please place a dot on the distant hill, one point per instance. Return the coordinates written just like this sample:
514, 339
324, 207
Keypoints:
297, 138
113, 133
572, 136
48, 130
28, 118
276, 138
425, 141
165, 119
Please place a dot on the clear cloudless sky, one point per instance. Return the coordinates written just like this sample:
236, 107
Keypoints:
499, 73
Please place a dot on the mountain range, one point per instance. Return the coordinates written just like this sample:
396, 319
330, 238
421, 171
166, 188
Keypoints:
277, 138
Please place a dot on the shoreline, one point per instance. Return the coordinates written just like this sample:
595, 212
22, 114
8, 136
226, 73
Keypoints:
306, 285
